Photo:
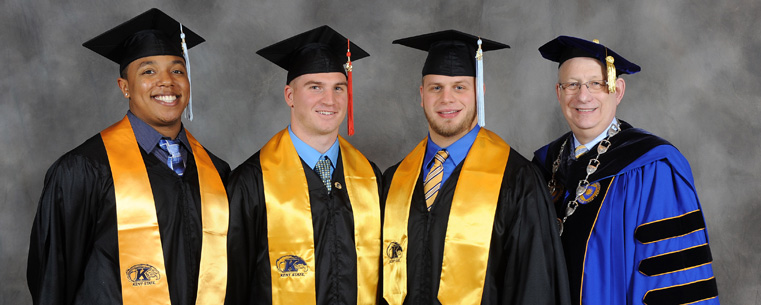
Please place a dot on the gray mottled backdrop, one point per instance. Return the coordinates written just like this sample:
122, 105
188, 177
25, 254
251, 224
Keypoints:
699, 89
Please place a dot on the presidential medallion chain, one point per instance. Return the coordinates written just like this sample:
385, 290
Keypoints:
594, 163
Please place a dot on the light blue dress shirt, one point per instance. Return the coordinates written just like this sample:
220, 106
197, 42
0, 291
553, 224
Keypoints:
457, 152
594, 142
311, 155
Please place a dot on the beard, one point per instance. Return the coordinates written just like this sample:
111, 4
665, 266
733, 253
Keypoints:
446, 130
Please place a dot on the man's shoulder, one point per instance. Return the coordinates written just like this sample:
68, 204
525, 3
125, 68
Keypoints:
638, 147
221, 165
358, 153
376, 170
544, 153
635, 145
662, 152
92, 151
87, 160
252, 166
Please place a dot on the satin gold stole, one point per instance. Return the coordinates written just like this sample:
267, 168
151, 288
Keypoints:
289, 221
468, 237
141, 258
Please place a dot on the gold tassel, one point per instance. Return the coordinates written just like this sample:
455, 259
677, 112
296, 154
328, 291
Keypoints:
611, 74
611, 69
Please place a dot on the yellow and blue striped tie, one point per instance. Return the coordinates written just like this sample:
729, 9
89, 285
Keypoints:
580, 151
433, 179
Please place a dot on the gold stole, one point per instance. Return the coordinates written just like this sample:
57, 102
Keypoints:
141, 258
468, 237
289, 221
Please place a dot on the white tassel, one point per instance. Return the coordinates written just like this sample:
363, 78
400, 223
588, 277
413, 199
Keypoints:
189, 109
480, 85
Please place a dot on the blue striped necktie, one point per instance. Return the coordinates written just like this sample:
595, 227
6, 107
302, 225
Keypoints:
174, 161
433, 179
580, 151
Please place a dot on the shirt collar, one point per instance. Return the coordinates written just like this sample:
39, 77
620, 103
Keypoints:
457, 151
596, 140
311, 155
148, 138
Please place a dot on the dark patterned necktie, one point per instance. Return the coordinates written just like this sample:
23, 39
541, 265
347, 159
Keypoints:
323, 168
174, 161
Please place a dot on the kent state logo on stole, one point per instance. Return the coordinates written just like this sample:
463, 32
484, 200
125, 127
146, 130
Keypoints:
291, 265
143, 275
394, 252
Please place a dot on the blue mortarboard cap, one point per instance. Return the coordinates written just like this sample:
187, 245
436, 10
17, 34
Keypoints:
450, 52
148, 34
564, 48
320, 50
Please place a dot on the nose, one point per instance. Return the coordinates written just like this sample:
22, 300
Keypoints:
584, 94
447, 95
331, 97
164, 78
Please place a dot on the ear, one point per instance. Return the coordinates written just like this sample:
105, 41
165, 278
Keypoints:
124, 86
557, 91
288, 94
620, 89
421, 96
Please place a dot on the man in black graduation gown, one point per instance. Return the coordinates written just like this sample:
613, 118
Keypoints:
305, 226
467, 219
90, 244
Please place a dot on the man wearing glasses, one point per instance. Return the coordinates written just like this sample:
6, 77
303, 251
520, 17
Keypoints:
630, 220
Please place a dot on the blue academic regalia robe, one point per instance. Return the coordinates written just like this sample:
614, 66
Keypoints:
639, 236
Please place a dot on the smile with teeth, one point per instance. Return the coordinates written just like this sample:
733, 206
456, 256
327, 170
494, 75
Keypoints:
326, 112
166, 98
585, 109
448, 114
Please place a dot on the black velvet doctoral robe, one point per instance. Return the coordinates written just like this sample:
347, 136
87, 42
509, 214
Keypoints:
249, 279
525, 265
74, 251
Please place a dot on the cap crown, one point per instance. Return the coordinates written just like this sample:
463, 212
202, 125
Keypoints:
148, 34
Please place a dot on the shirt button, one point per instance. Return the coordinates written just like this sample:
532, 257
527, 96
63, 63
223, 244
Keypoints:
338, 185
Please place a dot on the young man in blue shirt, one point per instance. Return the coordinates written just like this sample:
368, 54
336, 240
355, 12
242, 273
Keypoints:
467, 219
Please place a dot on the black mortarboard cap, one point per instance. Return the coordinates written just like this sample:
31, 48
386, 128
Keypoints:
320, 50
148, 34
450, 52
564, 48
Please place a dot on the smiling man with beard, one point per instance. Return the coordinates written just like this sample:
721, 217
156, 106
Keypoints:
305, 209
138, 211
467, 219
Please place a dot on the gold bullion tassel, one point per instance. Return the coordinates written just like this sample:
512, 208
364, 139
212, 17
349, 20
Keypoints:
611, 69
611, 74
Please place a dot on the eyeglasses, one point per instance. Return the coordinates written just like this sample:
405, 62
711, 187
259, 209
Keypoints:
594, 86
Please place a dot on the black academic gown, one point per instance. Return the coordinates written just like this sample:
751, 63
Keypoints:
525, 265
249, 279
74, 252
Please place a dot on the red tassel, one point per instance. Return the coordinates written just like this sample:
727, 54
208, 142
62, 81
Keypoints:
350, 122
